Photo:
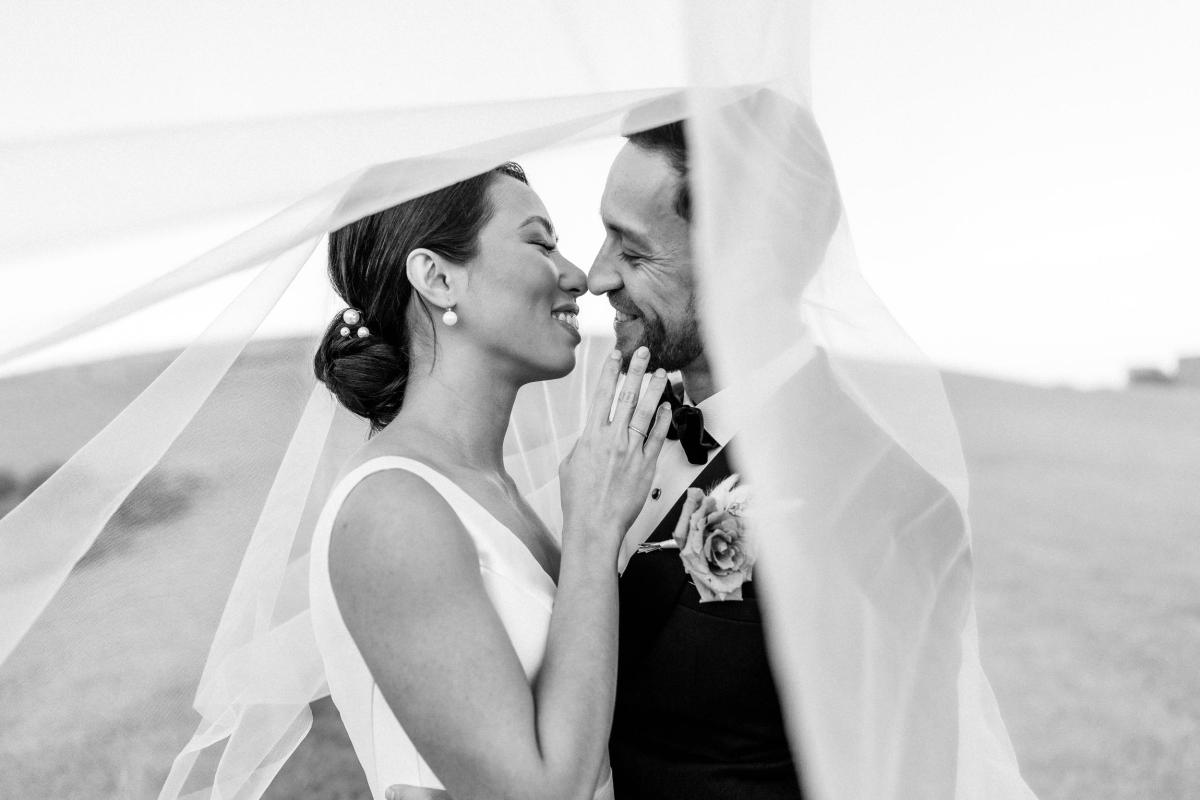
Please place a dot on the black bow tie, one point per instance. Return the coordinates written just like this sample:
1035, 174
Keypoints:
687, 425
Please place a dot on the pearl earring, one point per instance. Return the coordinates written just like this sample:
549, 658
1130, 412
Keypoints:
450, 318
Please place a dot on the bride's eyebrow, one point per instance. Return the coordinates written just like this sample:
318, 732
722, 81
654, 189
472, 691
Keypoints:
543, 222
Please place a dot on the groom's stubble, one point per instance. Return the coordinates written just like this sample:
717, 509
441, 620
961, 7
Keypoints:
670, 348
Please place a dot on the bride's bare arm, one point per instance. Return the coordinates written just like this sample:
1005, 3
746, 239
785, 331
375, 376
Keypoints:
406, 576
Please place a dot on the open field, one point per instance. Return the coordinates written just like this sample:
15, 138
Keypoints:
1086, 515
1087, 542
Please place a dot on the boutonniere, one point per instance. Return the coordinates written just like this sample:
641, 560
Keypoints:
712, 540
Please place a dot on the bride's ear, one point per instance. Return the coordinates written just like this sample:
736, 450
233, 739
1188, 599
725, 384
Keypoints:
439, 281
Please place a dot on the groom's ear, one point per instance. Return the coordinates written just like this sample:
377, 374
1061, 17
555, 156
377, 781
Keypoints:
441, 282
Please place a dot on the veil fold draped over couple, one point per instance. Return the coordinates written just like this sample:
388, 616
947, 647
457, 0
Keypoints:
535, 578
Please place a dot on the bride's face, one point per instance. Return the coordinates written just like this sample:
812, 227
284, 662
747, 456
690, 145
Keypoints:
520, 304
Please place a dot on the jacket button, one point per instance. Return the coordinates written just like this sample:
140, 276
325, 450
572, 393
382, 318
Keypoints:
657, 493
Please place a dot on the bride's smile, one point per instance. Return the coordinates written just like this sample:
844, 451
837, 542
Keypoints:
568, 315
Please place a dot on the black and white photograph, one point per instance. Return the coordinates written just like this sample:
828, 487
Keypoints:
543, 400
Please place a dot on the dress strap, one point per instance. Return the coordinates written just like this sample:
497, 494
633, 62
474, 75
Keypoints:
468, 509
500, 550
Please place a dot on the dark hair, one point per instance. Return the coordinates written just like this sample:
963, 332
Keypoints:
367, 269
669, 140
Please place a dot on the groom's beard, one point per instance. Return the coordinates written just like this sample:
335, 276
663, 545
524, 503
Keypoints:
670, 349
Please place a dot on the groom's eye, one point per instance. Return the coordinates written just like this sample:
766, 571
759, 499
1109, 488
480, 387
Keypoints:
629, 257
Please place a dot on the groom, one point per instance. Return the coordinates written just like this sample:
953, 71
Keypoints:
697, 714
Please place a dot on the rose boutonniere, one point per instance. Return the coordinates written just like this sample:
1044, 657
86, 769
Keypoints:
713, 541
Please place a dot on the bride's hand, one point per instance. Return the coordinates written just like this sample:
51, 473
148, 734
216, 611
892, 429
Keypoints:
606, 478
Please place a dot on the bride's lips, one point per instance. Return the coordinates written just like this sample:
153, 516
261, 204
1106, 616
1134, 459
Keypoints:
568, 317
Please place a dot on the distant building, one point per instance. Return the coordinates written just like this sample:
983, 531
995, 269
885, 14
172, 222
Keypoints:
1188, 373
1150, 376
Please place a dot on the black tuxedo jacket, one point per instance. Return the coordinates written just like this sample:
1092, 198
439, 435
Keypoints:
697, 714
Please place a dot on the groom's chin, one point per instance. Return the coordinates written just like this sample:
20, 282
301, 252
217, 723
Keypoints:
627, 346
629, 340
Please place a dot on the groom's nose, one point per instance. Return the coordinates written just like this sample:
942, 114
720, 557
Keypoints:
603, 277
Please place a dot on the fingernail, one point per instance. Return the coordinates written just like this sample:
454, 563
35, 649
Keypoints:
660, 373
615, 355
643, 351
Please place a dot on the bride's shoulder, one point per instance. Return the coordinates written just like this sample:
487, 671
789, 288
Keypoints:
394, 523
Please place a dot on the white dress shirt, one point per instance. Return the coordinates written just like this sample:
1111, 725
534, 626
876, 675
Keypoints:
724, 414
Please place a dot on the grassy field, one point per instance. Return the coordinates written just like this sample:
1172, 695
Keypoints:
1086, 518
1086, 521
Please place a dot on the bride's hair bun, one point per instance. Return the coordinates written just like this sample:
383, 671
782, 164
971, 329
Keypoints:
366, 374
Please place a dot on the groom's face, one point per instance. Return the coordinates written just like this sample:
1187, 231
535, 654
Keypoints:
645, 264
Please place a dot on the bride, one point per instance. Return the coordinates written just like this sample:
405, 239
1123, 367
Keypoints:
462, 646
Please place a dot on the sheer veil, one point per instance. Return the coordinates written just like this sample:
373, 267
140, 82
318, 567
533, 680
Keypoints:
135, 584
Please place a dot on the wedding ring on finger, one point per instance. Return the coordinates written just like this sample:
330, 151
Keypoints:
639, 432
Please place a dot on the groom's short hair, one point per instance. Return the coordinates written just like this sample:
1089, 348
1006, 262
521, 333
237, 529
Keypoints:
669, 140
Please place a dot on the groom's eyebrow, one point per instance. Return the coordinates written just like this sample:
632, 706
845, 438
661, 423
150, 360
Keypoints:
540, 220
627, 235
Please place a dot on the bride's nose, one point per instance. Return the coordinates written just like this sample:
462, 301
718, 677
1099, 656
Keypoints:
571, 278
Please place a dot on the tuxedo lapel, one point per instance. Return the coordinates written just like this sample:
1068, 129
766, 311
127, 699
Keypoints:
717, 469
651, 584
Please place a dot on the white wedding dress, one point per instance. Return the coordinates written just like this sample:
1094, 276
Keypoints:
516, 584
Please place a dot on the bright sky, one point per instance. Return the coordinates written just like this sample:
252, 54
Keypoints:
1021, 176
1020, 179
